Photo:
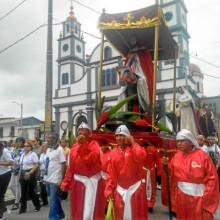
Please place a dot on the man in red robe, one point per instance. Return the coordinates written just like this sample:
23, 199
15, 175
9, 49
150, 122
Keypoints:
125, 182
152, 163
194, 178
83, 178
105, 159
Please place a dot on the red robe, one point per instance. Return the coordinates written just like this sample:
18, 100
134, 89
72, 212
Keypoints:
84, 161
126, 169
152, 160
146, 63
194, 167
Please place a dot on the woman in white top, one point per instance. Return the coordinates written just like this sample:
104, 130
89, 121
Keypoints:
28, 178
185, 111
5, 175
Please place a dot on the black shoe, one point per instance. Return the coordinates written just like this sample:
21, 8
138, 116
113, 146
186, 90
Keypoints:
174, 214
44, 203
21, 211
37, 209
15, 206
150, 209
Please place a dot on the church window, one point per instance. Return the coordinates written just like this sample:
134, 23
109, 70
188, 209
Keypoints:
168, 16
65, 78
103, 78
171, 62
67, 28
198, 89
108, 73
80, 120
76, 29
107, 52
1, 132
214, 106
65, 47
114, 76
109, 77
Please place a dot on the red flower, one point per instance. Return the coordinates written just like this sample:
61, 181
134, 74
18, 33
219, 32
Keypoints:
142, 123
102, 119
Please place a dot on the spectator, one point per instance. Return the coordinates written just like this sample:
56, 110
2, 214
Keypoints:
5, 175
213, 150
64, 145
42, 163
37, 148
28, 179
55, 171
14, 184
200, 140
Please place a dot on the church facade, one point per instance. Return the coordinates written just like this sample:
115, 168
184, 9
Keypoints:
77, 87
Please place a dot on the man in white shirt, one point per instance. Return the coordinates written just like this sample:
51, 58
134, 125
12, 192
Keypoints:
54, 173
200, 140
213, 150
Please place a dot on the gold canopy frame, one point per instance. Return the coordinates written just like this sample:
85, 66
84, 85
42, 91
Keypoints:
150, 27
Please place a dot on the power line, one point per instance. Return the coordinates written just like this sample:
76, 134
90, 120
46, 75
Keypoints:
22, 38
204, 61
182, 67
87, 7
12, 10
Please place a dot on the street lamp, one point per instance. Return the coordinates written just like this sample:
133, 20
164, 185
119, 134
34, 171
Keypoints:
21, 104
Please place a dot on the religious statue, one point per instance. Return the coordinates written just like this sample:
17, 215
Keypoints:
184, 111
136, 77
205, 118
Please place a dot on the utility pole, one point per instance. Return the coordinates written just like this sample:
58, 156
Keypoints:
49, 71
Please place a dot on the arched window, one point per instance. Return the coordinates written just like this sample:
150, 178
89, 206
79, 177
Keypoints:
76, 29
81, 119
107, 52
65, 78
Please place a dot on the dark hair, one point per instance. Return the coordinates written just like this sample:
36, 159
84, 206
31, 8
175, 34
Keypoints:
39, 140
55, 136
20, 139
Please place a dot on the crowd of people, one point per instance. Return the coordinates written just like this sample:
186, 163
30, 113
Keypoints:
96, 175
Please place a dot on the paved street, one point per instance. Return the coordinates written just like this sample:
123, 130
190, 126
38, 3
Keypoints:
160, 212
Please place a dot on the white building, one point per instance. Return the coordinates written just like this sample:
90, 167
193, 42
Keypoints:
75, 95
10, 128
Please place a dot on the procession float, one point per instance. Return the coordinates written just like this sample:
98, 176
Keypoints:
142, 38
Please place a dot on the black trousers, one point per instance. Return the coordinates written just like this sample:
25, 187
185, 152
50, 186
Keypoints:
27, 189
43, 192
4, 181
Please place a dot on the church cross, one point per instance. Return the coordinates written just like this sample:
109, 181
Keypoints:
128, 18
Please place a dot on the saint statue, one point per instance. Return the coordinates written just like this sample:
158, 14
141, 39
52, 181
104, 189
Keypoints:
136, 77
184, 111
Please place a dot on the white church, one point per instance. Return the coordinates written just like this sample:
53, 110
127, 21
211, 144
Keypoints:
75, 95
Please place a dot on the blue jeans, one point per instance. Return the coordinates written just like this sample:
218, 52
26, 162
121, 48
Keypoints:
56, 211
